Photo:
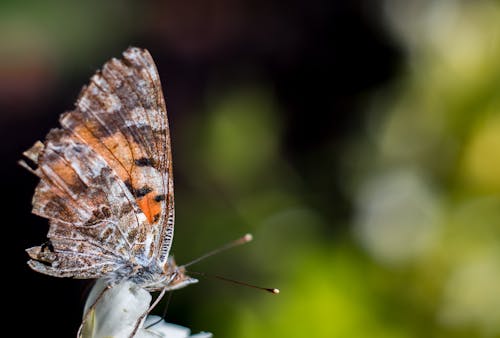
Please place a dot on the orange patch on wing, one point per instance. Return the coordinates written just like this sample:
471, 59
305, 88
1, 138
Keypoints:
149, 207
119, 160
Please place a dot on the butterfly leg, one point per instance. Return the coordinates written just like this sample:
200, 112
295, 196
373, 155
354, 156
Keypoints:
139, 321
164, 315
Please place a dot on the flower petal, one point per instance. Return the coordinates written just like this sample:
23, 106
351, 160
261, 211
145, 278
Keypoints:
120, 308
117, 312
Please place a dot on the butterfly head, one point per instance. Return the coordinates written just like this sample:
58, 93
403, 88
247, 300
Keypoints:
177, 277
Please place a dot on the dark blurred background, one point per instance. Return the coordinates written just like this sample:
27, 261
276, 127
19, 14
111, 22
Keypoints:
357, 140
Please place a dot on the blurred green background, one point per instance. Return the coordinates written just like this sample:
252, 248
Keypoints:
358, 141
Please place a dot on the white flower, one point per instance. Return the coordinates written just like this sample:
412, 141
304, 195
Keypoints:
164, 329
118, 311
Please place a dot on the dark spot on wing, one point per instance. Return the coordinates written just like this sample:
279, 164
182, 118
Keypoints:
142, 191
106, 212
156, 218
128, 184
47, 245
144, 162
102, 213
159, 198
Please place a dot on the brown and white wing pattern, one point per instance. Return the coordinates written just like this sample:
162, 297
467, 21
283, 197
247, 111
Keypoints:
106, 181
88, 208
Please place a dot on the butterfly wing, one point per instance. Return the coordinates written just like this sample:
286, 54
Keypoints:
106, 176
90, 210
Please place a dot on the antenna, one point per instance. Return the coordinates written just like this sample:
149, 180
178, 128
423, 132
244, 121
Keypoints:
270, 290
242, 240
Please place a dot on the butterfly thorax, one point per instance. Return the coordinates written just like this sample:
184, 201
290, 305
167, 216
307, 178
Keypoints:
153, 277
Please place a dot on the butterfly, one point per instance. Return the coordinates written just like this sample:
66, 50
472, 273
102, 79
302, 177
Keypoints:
106, 182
